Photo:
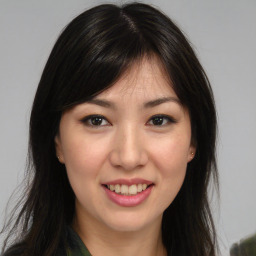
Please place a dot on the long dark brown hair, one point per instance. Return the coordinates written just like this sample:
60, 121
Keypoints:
92, 52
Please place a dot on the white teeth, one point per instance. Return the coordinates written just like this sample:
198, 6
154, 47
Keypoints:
124, 189
133, 190
127, 190
117, 188
144, 186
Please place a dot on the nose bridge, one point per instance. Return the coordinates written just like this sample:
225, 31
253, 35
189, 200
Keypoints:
128, 149
130, 146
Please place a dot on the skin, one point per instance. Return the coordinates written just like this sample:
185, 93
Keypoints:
127, 144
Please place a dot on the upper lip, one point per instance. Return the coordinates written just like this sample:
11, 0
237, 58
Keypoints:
128, 182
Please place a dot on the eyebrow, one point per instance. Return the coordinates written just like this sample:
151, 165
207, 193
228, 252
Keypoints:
156, 102
149, 104
102, 103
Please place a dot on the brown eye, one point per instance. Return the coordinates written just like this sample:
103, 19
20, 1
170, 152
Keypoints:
95, 120
161, 120
158, 120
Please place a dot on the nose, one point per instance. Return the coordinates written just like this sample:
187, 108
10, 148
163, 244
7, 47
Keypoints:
128, 150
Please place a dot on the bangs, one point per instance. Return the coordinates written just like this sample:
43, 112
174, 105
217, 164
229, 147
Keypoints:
96, 59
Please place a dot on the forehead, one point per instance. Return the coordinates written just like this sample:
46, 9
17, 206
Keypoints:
146, 78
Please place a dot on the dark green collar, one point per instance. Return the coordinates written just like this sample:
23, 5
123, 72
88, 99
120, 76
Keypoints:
76, 246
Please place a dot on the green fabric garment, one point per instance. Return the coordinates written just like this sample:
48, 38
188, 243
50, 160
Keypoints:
75, 245
247, 247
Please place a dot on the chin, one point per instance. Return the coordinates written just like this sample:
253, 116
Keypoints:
128, 223
126, 227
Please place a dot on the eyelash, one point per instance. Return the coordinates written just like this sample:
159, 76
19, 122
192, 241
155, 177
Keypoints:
88, 120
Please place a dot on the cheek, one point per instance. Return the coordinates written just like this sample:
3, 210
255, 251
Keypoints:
170, 159
170, 155
84, 158
84, 155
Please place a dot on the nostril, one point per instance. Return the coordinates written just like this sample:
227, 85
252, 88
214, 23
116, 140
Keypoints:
128, 158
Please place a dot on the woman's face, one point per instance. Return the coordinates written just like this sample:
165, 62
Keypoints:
127, 150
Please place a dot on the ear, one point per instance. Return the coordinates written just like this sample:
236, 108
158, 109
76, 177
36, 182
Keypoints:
191, 153
58, 149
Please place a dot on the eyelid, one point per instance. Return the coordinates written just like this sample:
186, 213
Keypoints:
169, 118
85, 119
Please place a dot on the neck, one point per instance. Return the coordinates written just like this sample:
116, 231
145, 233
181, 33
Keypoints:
101, 240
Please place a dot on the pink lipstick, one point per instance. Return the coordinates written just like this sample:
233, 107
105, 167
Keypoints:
128, 192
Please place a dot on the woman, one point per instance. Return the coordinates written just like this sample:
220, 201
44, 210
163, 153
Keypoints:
122, 142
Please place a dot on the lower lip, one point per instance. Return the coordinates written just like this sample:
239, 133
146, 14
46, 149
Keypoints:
128, 201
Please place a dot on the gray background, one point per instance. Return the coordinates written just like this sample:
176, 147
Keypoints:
223, 34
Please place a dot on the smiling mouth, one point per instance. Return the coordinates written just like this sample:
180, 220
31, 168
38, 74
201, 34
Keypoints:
126, 190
